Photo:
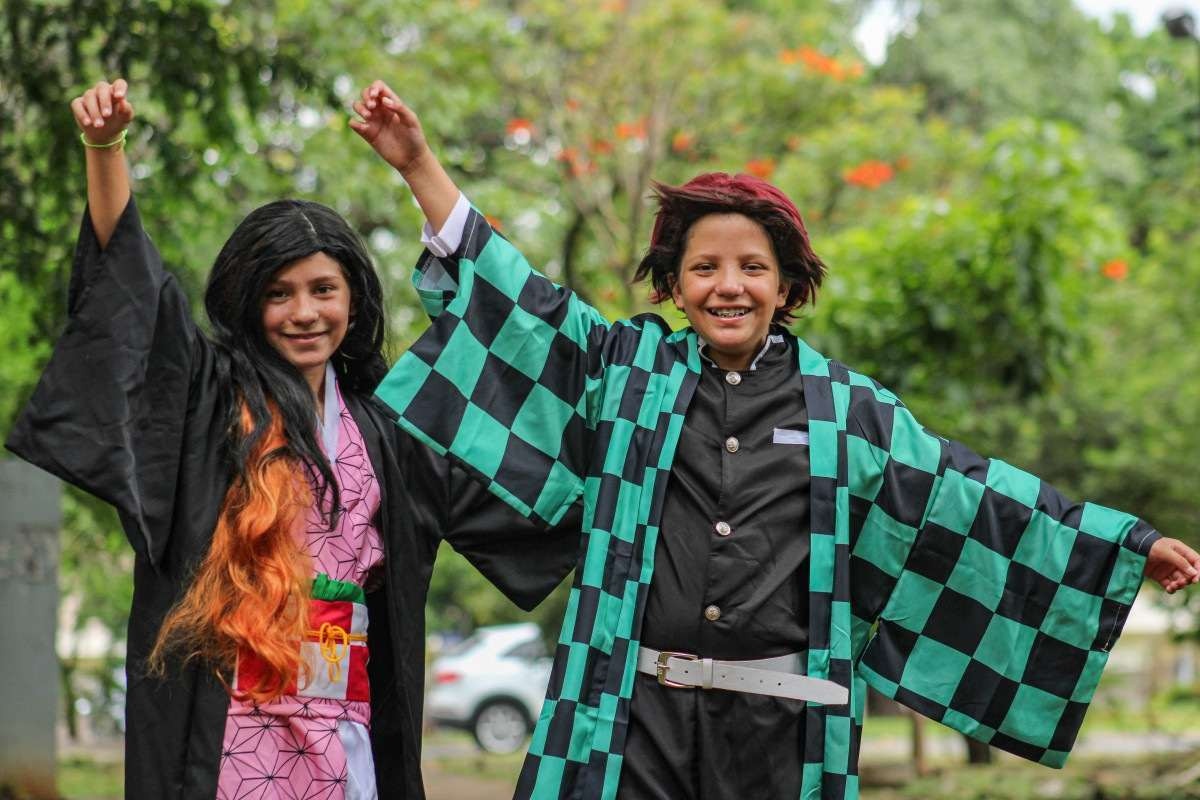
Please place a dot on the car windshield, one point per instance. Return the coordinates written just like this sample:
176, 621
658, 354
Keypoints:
463, 646
531, 650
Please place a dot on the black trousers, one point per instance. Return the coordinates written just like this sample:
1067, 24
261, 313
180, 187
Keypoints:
711, 745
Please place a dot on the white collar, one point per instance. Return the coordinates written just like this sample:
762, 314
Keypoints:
333, 416
772, 338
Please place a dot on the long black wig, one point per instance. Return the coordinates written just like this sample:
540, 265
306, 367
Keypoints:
267, 240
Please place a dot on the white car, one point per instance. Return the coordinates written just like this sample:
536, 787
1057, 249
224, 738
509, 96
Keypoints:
492, 684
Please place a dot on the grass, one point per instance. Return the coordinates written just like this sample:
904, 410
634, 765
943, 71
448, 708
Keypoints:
1173, 776
1159, 777
82, 778
466, 759
1153, 778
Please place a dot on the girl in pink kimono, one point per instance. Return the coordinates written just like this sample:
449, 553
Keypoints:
284, 528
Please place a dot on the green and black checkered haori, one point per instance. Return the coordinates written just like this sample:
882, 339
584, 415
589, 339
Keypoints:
963, 587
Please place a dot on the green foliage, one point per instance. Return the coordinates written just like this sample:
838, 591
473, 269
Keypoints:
207, 62
985, 287
82, 777
24, 350
983, 61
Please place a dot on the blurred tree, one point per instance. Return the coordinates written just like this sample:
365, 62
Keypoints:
973, 299
983, 61
207, 70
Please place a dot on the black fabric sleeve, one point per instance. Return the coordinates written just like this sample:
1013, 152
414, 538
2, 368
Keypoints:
108, 412
522, 559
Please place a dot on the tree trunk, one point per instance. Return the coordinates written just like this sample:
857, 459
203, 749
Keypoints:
977, 751
66, 673
918, 744
569, 248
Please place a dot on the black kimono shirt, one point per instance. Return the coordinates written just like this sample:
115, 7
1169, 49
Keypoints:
730, 581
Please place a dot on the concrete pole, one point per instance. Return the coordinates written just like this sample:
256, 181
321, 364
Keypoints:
30, 517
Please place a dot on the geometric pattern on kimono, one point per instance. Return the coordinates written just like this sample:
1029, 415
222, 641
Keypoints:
962, 587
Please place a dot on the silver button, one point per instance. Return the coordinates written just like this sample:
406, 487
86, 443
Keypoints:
733, 378
712, 613
732, 444
723, 528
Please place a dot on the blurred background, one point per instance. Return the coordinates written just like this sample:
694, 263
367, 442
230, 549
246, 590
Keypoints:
1006, 193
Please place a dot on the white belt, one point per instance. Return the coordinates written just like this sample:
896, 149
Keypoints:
772, 676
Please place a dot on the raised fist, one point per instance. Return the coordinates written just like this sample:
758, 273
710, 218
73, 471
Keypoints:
103, 112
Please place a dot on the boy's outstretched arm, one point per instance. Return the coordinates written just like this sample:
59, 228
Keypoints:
394, 131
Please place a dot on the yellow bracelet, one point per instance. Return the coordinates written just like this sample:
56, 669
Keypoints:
107, 145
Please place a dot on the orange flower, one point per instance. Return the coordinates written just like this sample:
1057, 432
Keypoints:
614, 6
903, 163
869, 174
789, 56
631, 130
761, 168
495, 223
794, 142
601, 147
682, 142
517, 125
1115, 270
576, 164
819, 62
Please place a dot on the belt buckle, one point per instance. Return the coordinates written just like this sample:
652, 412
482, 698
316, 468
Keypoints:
660, 667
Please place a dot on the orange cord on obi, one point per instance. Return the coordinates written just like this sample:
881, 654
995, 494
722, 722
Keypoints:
335, 645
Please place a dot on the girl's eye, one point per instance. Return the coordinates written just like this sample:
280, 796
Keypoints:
275, 294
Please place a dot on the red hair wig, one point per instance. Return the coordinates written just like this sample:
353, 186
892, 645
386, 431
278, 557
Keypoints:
679, 207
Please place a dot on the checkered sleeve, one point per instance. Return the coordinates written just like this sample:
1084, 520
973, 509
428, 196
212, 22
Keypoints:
506, 380
996, 599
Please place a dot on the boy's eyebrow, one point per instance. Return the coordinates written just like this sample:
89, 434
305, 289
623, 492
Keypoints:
758, 254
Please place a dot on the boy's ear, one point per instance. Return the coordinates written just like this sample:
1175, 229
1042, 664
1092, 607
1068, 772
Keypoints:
784, 288
676, 291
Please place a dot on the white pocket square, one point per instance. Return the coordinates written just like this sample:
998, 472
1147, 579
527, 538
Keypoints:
785, 436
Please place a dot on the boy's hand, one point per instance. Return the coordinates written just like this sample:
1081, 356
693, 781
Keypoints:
390, 127
103, 111
1172, 564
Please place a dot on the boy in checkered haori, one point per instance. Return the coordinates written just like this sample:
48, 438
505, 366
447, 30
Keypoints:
758, 518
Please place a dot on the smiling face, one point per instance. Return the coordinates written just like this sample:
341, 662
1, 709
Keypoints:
729, 286
305, 314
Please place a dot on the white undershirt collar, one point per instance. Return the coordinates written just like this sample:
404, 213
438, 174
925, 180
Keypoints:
772, 338
332, 421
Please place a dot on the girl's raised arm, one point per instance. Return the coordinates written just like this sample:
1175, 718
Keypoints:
103, 114
394, 131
